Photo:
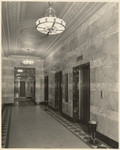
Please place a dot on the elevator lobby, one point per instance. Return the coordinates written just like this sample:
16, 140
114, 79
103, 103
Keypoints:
59, 74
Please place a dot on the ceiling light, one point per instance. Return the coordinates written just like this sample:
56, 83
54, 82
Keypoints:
27, 61
50, 24
18, 75
19, 70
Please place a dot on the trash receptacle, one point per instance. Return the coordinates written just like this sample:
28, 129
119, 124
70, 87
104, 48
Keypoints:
92, 129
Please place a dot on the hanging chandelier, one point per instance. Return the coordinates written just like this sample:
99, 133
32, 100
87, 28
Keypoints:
50, 24
27, 61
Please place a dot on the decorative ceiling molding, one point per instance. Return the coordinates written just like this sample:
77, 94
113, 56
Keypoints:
31, 23
72, 12
94, 17
5, 31
17, 35
12, 16
31, 57
12, 13
4, 40
26, 24
78, 21
22, 9
68, 6
18, 12
66, 9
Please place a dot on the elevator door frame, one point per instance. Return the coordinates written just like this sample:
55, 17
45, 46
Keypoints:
76, 90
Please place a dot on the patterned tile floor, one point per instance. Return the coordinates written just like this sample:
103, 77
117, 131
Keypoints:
6, 120
32, 127
76, 130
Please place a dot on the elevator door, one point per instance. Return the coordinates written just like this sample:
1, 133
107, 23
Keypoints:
46, 88
22, 88
58, 91
84, 95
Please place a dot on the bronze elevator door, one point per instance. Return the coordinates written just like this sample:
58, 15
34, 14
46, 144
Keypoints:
58, 91
22, 88
84, 94
46, 88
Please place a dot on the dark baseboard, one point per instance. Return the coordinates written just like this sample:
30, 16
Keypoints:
100, 136
107, 140
64, 115
8, 104
52, 108
3, 107
36, 103
67, 117
75, 120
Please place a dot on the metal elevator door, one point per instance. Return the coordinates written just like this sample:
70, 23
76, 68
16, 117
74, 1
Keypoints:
84, 95
22, 88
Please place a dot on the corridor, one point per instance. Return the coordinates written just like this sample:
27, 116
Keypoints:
32, 127
64, 56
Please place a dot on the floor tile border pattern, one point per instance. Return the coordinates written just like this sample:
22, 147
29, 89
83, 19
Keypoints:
6, 126
76, 130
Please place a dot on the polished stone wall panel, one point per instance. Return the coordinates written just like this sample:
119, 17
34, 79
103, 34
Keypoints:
109, 100
70, 78
110, 126
110, 46
51, 98
97, 41
7, 99
105, 74
112, 115
8, 65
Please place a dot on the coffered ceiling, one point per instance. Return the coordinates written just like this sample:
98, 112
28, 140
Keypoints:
19, 30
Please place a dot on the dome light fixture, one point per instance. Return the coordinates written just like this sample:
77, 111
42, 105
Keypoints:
50, 24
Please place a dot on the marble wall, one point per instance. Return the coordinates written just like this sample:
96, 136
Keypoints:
97, 41
8, 65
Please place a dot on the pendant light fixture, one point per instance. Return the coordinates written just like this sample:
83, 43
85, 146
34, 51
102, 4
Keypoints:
50, 24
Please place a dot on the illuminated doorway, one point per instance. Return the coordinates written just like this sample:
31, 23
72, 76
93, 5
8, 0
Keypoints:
24, 83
